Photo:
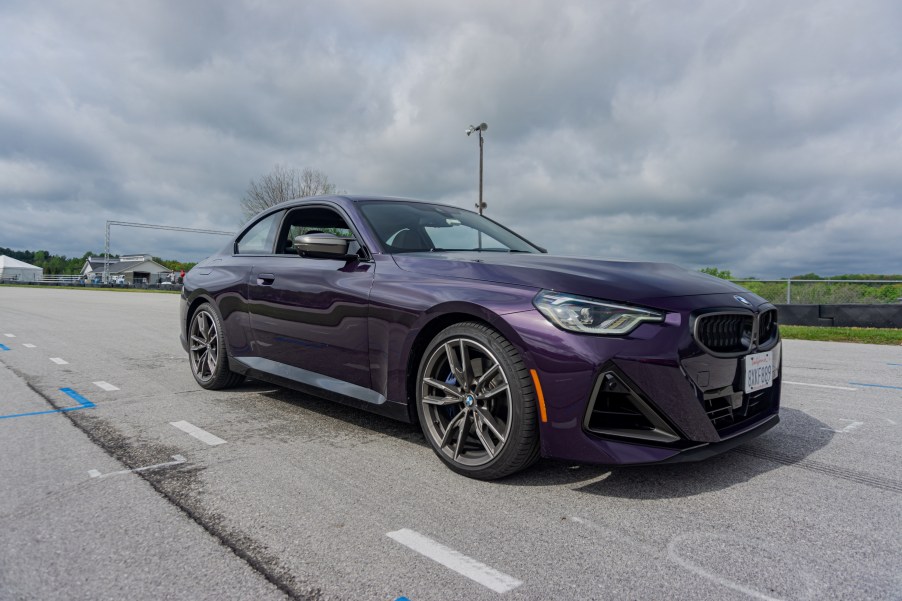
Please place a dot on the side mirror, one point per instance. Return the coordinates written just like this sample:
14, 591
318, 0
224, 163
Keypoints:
323, 246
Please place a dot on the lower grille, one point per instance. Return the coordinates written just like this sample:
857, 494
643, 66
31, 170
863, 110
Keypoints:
726, 412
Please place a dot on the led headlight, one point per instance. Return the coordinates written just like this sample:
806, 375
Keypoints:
592, 316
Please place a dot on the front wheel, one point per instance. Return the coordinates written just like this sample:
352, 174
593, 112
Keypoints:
207, 350
476, 403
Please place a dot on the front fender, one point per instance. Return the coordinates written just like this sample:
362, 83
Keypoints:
399, 330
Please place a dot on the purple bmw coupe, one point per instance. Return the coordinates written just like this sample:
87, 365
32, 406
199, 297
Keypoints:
503, 353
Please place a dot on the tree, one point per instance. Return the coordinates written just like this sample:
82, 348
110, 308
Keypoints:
281, 184
718, 273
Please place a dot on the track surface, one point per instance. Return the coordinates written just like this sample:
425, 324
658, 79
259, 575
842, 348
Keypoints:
306, 499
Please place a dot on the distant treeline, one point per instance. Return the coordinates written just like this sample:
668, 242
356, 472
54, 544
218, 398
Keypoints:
63, 265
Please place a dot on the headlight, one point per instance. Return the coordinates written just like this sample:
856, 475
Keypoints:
591, 316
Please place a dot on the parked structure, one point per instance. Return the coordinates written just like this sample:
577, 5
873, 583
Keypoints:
19, 271
132, 269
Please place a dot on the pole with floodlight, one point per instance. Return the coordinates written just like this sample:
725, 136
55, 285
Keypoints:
480, 128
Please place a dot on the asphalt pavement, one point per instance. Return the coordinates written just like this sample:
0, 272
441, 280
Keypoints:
121, 478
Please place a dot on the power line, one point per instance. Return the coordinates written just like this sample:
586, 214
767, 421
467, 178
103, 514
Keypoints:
149, 226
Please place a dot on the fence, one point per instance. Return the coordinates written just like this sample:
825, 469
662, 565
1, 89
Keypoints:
67, 279
826, 292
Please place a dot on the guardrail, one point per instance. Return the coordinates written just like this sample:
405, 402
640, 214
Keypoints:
826, 292
61, 278
89, 284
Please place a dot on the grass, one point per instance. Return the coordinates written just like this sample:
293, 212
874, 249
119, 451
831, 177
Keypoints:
862, 335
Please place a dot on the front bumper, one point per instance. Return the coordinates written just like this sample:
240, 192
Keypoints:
705, 451
660, 364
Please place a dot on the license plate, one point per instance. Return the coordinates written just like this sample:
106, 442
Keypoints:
759, 371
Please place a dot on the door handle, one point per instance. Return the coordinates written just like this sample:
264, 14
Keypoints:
265, 279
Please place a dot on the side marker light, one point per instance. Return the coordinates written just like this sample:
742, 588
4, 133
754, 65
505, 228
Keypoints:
535, 380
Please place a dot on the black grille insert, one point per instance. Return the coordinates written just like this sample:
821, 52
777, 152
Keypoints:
767, 326
725, 332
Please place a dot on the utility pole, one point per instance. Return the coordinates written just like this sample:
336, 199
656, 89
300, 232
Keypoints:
480, 128
481, 144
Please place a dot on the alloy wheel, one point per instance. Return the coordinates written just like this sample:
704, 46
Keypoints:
466, 398
204, 346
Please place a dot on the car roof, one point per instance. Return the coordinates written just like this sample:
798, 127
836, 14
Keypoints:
356, 198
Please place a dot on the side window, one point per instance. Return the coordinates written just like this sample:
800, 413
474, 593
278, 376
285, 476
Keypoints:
310, 220
259, 238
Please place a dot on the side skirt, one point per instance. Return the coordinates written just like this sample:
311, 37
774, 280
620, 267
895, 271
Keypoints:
319, 385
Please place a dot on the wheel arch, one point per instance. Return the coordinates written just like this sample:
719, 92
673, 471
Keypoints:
191, 309
436, 320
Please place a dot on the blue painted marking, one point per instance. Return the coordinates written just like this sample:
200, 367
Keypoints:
83, 404
3, 347
876, 385
893, 364
402, 599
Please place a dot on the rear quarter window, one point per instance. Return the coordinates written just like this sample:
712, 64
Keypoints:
258, 239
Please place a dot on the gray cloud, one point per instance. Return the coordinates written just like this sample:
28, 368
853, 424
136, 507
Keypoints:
762, 137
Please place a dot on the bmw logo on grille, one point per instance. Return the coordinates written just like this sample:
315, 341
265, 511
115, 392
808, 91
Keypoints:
742, 300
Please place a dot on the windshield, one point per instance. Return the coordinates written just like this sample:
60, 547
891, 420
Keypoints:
419, 227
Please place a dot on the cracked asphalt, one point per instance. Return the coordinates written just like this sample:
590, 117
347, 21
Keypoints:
299, 499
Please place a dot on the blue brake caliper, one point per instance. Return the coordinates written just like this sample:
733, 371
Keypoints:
449, 409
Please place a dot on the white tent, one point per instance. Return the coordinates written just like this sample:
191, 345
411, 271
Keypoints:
19, 271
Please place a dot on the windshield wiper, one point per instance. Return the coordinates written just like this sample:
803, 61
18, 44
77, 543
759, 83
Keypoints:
479, 250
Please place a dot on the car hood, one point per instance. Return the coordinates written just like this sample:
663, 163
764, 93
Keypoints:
625, 281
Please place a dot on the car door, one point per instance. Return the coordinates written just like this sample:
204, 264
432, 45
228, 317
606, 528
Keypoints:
310, 313
228, 278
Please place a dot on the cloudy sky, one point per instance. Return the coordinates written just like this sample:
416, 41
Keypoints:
761, 137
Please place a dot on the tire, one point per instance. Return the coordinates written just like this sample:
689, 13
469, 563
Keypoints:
486, 428
207, 350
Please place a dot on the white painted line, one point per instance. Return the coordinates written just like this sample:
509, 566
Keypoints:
819, 385
848, 428
178, 461
673, 555
10, 335
198, 433
59, 361
676, 545
460, 563
27, 345
105, 386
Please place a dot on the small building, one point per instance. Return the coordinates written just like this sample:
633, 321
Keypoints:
14, 270
134, 269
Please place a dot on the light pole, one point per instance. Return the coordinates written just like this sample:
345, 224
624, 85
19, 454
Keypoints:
480, 128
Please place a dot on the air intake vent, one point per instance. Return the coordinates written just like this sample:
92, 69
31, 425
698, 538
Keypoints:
615, 410
725, 332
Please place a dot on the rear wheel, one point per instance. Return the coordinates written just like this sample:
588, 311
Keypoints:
207, 350
476, 403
